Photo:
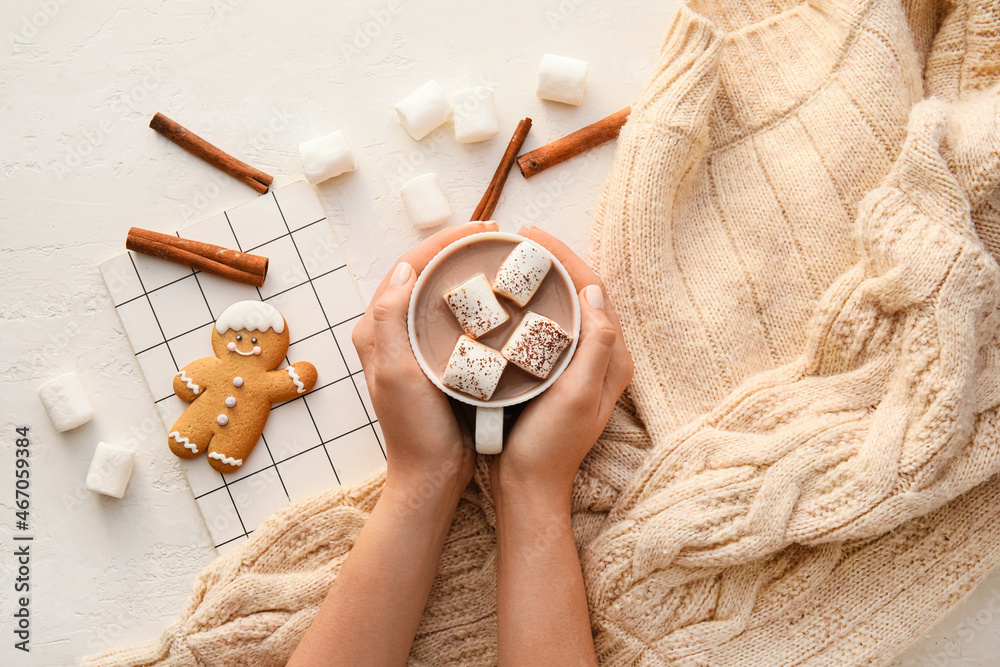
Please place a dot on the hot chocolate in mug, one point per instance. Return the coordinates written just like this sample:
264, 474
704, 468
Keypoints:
434, 330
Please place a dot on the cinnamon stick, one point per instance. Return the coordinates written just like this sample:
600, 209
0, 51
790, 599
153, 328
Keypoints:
491, 197
219, 261
582, 140
219, 159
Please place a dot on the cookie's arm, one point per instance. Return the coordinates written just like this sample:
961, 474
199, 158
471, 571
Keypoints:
190, 382
291, 381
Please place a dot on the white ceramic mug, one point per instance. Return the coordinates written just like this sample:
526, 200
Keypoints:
489, 414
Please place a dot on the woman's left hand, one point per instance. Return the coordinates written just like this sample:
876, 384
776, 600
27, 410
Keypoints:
556, 430
424, 441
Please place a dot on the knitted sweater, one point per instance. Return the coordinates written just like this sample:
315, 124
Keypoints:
803, 469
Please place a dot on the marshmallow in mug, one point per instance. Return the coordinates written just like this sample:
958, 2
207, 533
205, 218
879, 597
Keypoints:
522, 272
561, 79
536, 344
66, 401
475, 115
474, 368
425, 201
423, 110
326, 157
110, 470
476, 307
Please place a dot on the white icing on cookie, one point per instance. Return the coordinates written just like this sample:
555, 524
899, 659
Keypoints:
190, 384
184, 441
299, 387
222, 419
237, 381
228, 460
230, 402
250, 315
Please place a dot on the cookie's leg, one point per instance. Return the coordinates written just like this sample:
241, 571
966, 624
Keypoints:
228, 451
189, 438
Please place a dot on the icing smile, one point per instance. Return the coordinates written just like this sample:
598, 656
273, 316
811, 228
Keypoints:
232, 348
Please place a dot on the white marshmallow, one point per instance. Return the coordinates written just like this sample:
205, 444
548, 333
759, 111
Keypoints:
475, 115
536, 344
474, 368
476, 307
425, 201
66, 401
522, 272
110, 470
326, 157
561, 79
423, 110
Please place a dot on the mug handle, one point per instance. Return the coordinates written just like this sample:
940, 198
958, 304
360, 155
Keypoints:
489, 430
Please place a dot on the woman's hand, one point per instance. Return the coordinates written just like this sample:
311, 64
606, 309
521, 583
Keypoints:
373, 609
542, 615
425, 443
556, 430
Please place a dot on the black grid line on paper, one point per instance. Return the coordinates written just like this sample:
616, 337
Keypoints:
205, 324
146, 292
153, 310
369, 422
329, 326
296, 455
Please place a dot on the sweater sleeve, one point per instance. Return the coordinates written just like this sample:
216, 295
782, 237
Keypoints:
890, 411
251, 606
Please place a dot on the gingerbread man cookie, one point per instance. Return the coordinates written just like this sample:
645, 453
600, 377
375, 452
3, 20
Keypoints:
231, 393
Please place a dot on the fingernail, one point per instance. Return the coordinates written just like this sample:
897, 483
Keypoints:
525, 230
401, 274
594, 296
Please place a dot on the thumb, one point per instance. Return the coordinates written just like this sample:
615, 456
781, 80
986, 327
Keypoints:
389, 314
597, 341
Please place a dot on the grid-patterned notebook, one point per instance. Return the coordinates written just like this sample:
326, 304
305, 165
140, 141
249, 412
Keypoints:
326, 437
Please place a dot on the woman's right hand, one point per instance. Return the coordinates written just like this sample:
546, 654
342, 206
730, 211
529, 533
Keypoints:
556, 430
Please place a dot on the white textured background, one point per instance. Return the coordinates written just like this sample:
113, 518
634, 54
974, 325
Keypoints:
78, 165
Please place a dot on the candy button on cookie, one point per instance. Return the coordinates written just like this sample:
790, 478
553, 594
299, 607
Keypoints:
237, 381
222, 419
230, 402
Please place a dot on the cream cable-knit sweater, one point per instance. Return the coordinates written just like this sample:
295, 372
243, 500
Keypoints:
803, 472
